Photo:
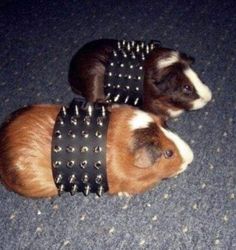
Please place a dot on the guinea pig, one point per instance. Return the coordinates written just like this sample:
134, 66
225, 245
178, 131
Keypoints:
169, 84
140, 151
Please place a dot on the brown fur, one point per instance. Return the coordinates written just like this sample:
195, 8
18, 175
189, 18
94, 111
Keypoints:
25, 153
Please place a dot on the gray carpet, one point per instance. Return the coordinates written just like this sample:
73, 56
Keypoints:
197, 210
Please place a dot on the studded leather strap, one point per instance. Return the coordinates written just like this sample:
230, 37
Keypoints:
79, 148
124, 72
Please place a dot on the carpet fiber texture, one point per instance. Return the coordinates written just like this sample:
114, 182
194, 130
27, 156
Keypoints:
197, 210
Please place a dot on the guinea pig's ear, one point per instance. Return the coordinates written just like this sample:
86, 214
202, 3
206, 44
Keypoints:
188, 59
145, 146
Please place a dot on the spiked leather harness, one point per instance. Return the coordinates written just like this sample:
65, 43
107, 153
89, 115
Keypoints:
79, 148
124, 72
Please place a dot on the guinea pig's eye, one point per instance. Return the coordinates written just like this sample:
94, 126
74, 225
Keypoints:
187, 89
168, 153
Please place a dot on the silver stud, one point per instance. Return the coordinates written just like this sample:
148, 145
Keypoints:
143, 56
126, 99
120, 75
118, 86
132, 43
131, 66
57, 149
71, 134
136, 101
100, 191
97, 149
86, 190
147, 49
129, 76
73, 120
103, 111
58, 179
118, 45
70, 149
123, 42
85, 134
152, 46
112, 64
76, 110
139, 78
116, 98
64, 111
70, 164
108, 95
61, 189
108, 85
87, 120
98, 179
74, 189
83, 164
84, 149
97, 164
98, 134
100, 121
110, 74
124, 54
58, 134
72, 179
114, 53
133, 55
90, 110
140, 67
56, 164
122, 65
60, 120
128, 46
85, 178
127, 87
142, 45
137, 88
137, 48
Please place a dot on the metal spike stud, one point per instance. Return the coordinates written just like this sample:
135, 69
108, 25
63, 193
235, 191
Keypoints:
83, 164
110, 73
108, 85
90, 110
142, 45
137, 48
72, 179
100, 121
70, 164
76, 110
120, 75
85, 134
128, 46
129, 76
137, 88
56, 164
114, 53
133, 55
85, 178
103, 111
123, 42
152, 46
127, 87
116, 98
118, 45
73, 120
122, 65
86, 190
58, 134
136, 101
58, 179
87, 120
64, 110
57, 149
98, 134
60, 120
132, 43
97, 164
111, 64
140, 67
97, 149
84, 149
74, 189
71, 134
108, 95
131, 66
139, 78
98, 179
100, 191
124, 54
126, 99
61, 189
70, 149
147, 49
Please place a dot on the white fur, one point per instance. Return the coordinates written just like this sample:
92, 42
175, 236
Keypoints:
185, 151
202, 90
140, 120
166, 62
175, 113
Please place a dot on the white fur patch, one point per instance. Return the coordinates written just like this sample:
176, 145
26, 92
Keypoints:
175, 113
173, 58
140, 120
185, 151
202, 90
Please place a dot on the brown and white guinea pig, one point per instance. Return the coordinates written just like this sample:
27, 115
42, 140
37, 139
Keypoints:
170, 85
140, 151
